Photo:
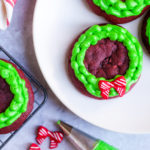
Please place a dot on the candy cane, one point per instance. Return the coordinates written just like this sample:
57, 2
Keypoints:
6, 11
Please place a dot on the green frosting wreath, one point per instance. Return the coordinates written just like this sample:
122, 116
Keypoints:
91, 37
122, 9
148, 29
17, 86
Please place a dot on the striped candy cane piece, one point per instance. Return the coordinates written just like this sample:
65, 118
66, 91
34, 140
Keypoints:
42, 134
6, 11
105, 87
119, 85
53, 144
55, 138
57, 135
34, 147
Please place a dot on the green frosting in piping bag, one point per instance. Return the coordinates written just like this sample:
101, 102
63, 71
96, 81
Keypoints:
17, 86
101, 145
148, 30
91, 37
122, 9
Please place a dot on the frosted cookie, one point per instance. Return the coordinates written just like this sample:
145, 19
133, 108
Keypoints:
105, 61
16, 97
119, 11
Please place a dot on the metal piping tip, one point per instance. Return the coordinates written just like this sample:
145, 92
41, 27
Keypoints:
65, 127
83, 141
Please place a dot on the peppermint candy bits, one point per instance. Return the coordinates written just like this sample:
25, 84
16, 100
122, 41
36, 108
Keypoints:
55, 138
34, 147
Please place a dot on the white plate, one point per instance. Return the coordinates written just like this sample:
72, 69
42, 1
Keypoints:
56, 25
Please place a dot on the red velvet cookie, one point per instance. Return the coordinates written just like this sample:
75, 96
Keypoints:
145, 31
105, 55
16, 97
119, 11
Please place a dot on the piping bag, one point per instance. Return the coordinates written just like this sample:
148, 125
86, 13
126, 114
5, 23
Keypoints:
83, 141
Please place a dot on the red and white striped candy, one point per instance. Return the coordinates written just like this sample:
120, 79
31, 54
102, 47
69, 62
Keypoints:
42, 134
55, 137
119, 85
53, 144
105, 87
34, 147
6, 11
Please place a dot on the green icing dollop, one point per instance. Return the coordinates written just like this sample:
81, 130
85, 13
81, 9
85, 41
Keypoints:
101, 145
148, 29
122, 9
17, 86
91, 37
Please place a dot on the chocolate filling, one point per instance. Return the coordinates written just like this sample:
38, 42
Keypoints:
107, 59
5, 95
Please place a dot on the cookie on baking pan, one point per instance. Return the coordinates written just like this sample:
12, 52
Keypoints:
105, 61
145, 31
16, 97
119, 11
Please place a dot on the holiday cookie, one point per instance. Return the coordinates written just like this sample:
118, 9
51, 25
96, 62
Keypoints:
105, 61
16, 97
145, 31
119, 11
